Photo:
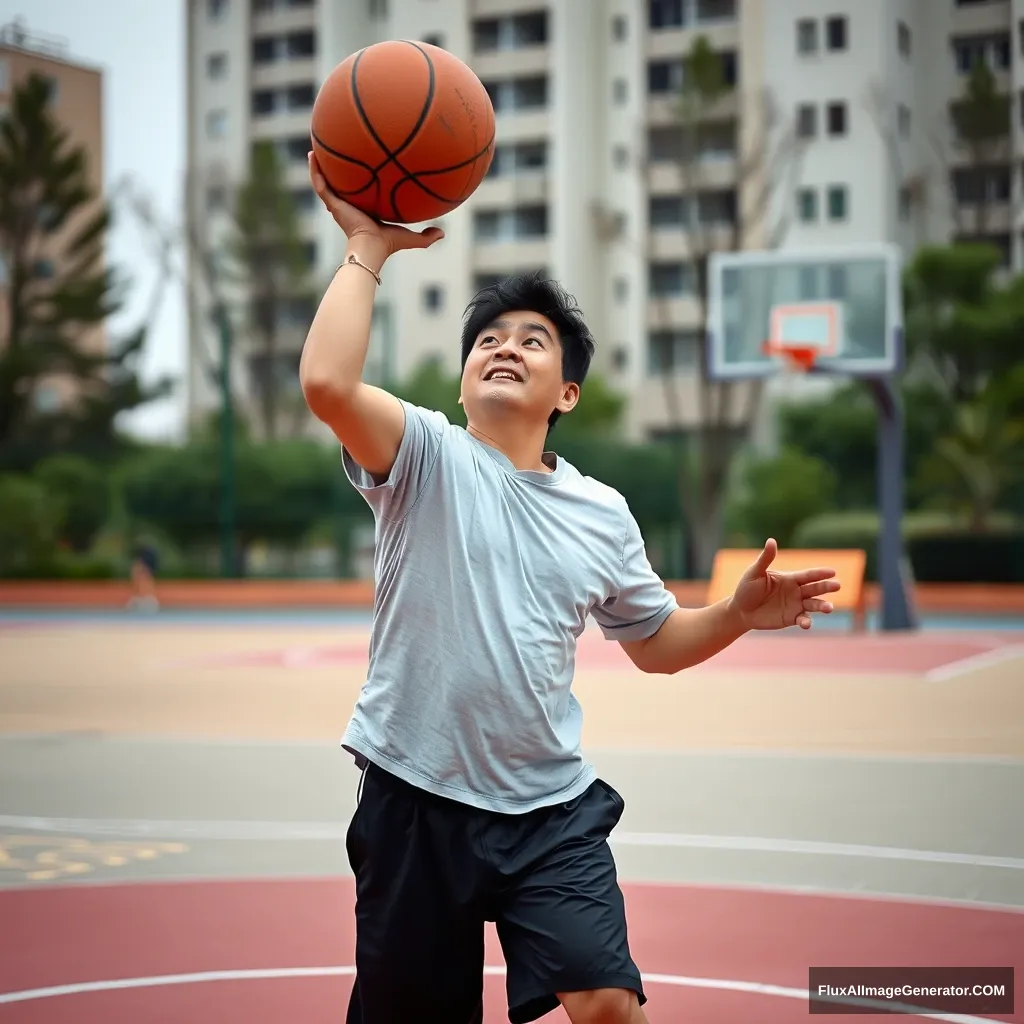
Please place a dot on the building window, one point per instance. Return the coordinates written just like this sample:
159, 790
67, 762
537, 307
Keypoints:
835, 33
434, 39
620, 289
671, 350
838, 202
217, 124
378, 10
903, 120
837, 119
217, 66
619, 90
216, 9
806, 35
670, 279
620, 157
620, 27
903, 203
994, 50
514, 32
667, 212
516, 158
666, 14
807, 205
806, 121
433, 298
523, 223
216, 198
517, 94
664, 76
903, 38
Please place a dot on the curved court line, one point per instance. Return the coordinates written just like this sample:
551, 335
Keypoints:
262, 974
298, 831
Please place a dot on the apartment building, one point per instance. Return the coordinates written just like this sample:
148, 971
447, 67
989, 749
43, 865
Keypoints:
587, 181
76, 96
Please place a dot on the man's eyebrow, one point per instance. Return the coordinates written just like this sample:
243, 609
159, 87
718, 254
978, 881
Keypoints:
530, 325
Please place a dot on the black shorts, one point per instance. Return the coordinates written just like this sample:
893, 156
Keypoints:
430, 871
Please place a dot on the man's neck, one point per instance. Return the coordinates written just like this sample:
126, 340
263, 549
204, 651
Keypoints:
524, 448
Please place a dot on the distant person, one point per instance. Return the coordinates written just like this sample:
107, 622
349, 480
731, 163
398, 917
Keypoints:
144, 567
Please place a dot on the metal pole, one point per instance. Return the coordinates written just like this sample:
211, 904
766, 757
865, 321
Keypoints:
228, 566
897, 610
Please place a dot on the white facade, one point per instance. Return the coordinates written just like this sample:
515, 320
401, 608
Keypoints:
582, 186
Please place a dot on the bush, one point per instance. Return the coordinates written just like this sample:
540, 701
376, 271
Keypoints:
935, 542
779, 493
29, 525
968, 557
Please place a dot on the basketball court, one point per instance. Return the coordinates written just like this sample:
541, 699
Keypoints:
175, 802
175, 798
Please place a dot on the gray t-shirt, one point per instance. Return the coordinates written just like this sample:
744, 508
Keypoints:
485, 575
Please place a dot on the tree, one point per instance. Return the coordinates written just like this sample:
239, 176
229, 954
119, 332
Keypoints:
711, 114
963, 324
974, 466
269, 251
53, 226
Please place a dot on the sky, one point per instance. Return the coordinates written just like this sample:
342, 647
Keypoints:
140, 46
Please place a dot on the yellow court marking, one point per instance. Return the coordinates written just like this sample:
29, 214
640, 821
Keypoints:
45, 858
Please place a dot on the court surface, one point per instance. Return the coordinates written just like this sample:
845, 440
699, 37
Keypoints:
173, 806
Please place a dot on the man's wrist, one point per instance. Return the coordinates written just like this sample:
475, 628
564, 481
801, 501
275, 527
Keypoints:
368, 250
736, 619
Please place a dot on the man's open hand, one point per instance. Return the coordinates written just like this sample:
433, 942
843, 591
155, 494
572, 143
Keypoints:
774, 600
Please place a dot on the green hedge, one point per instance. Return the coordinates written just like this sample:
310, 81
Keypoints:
940, 548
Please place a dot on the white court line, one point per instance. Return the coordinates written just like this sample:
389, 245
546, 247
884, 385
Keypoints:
299, 831
985, 659
680, 981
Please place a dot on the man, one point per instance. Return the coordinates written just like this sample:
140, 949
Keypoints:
475, 804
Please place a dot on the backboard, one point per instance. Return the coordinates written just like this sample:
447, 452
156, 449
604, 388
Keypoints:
838, 310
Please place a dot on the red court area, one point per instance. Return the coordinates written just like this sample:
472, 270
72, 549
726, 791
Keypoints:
700, 949
792, 651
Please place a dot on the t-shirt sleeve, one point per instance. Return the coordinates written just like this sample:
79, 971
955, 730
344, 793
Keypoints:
417, 453
642, 602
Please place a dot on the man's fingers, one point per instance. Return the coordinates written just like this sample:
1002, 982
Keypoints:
764, 559
820, 587
814, 604
804, 576
404, 238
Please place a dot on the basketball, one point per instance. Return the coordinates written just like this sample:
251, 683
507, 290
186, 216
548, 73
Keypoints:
404, 131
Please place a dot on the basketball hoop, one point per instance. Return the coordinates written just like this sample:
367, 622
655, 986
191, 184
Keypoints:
800, 358
801, 333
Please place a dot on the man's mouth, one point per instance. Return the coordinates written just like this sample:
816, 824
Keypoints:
503, 373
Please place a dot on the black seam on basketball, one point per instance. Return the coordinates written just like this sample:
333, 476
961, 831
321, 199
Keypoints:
392, 156
374, 180
415, 178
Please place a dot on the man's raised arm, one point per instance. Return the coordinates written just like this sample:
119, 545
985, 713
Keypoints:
367, 421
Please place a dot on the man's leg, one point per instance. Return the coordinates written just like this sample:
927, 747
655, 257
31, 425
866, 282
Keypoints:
419, 925
561, 916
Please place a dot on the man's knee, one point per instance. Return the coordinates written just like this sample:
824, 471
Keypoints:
602, 1006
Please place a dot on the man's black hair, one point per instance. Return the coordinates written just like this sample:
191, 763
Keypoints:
534, 293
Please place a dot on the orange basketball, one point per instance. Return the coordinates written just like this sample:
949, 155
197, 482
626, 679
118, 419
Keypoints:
404, 131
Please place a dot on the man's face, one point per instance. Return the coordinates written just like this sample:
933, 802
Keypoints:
515, 366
